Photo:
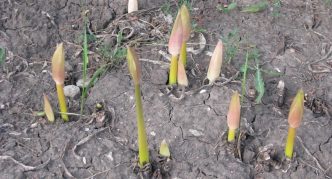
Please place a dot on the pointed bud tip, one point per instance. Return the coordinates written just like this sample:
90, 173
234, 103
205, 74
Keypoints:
164, 149
296, 110
186, 22
234, 112
133, 65
58, 64
175, 40
48, 109
215, 62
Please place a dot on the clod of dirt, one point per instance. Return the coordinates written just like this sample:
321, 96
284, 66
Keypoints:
71, 91
266, 159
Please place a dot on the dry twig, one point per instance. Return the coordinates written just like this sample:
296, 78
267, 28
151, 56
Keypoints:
25, 167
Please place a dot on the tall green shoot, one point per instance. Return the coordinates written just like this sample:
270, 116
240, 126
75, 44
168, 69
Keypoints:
85, 58
135, 71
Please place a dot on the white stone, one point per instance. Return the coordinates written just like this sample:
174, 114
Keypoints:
79, 83
153, 133
110, 155
71, 91
196, 133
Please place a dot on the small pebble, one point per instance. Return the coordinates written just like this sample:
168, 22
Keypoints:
71, 91
196, 133
153, 133
110, 155
202, 91
79, 83
34, 125
2, 106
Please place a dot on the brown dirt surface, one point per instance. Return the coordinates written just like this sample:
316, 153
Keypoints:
294, 42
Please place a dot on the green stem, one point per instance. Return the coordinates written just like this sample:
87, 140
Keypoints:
243, 90
62, 102
183, 54
231, 135
290, 142
85, 63
173, 70
143, 151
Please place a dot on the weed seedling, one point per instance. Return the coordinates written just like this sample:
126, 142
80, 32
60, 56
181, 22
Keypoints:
48, 109
232, 43
228, 8
135, 71
166, 8
174, 48
85, 58
215, 63
58, 74
259, 82
233, 116
254, 8
294, 120
276, 4
2, 55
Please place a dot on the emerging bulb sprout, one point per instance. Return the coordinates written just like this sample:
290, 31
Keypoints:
233, 116
132, 6
294, 120
174, 48
182, 76
186, 28
164, 150
58, 74
135, 71
215, 63
48, 109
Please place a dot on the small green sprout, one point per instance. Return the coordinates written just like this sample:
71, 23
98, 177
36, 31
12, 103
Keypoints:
164, 149
48, 109
233, 116
135, 71
228, 8
2, 55
85, 59
58, 74
259, 82
294, 120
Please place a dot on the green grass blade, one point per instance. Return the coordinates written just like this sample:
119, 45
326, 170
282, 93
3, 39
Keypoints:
2, 55
244, 78
85, 63
259, 85
227, 9
99, 72
254, 8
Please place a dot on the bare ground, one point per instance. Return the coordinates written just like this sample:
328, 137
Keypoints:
290, 38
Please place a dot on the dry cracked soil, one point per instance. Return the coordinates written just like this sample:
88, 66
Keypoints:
294, 41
